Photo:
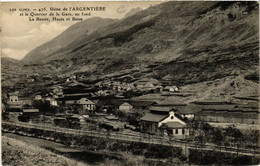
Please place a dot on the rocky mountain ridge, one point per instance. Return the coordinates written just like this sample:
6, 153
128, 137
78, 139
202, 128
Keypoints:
186, 42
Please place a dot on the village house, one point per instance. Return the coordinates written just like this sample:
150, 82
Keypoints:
71, 78
38, 97
147, 84
17, 102
52, 101
129, 87
144, 85
222, 112
30, 112
134, 106
169, 118
88, 107
164, 124
13, 116
36, 74
229, 116
117, 88
13, 97
74, 93
126, 107
56, 91
150, 121
155, 82
25, 100
70, 102
106, 83
103, 92
174, 126
98, 84
171, 88
141, 104
185, 111
111, 118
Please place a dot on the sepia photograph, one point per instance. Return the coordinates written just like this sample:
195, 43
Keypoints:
130, 83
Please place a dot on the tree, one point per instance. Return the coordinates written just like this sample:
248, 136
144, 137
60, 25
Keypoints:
253, 138
217, 137
234, 135
43, 106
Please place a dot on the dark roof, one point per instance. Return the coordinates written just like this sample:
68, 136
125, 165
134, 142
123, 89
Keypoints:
235, 113
160, 109
212, 103
170, 104
150, 117
189, 109
141, 83
75, 97
140, 103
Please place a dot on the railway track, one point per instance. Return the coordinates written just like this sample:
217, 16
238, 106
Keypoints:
144, 138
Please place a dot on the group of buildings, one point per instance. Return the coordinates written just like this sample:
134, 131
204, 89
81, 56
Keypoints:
144, 84
157, 118
172, 119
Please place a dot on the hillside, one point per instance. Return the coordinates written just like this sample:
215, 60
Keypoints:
188, 41
74, 32
16, 152
10, 68
133, 11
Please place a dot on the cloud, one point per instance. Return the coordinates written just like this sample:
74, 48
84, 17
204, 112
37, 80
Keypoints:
31, 39
15, 54
19, 35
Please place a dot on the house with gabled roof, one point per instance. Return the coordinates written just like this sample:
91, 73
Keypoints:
147, 84
52, 101
38, 97
161, 124
171, 88
13, 96
87, 106
174, 126
150, 121
126, 107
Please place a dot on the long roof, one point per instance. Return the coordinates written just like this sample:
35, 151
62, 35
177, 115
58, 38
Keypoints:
230, 113
140, 103
160, 109
30, 110
150, 117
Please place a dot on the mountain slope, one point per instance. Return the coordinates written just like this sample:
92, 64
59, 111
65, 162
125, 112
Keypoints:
133, 11
76, 31
190, 41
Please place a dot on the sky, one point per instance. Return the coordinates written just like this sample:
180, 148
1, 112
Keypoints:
20, 36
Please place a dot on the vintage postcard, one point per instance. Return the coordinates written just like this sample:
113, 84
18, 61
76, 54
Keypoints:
130, 83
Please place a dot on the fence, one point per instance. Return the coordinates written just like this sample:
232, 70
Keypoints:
141, 138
